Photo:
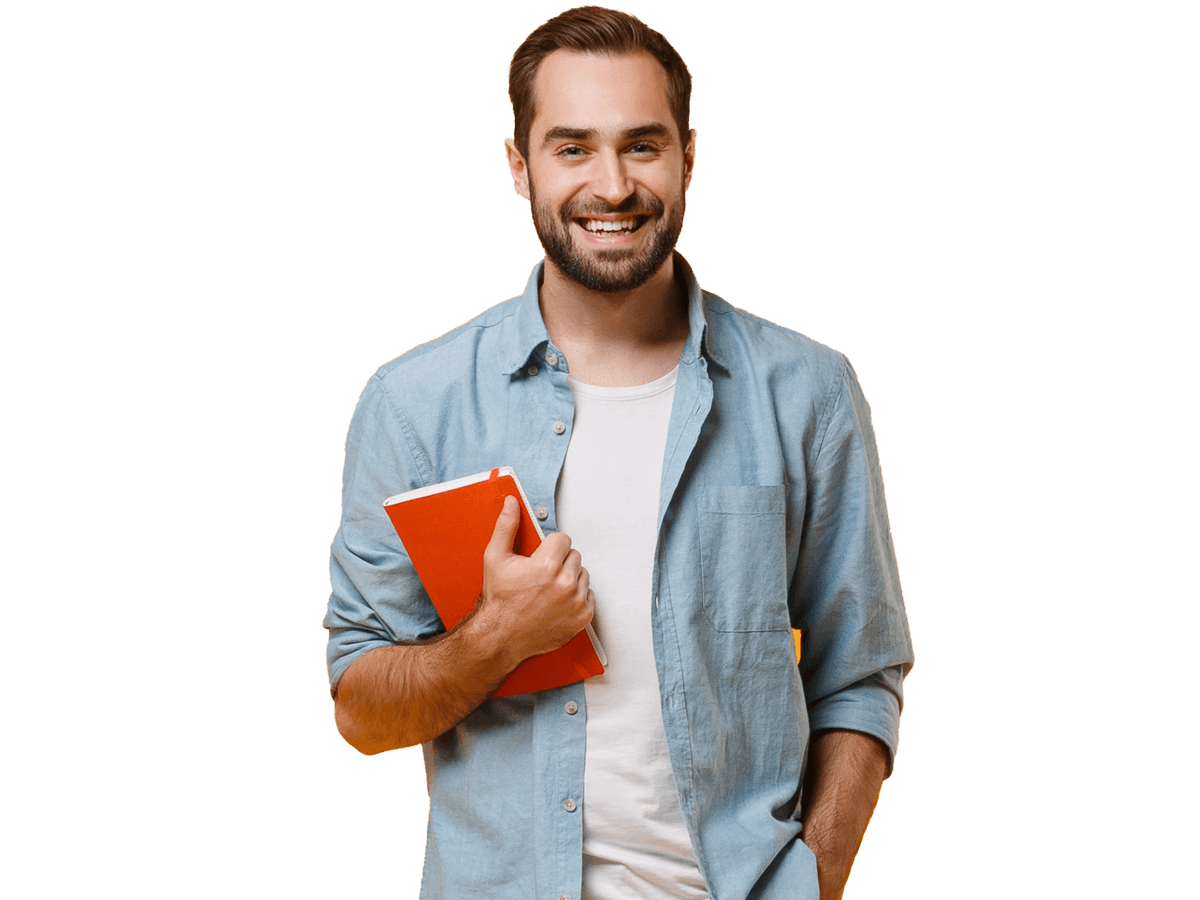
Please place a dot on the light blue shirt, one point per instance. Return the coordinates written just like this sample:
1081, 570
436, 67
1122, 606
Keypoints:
771, 517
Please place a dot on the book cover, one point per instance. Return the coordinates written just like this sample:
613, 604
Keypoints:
445, 528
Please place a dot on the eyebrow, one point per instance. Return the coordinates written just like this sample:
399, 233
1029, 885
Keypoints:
566, 133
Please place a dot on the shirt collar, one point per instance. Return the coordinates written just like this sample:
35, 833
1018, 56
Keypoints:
526, 331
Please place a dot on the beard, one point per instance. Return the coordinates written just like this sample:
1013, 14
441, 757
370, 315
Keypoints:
618, 269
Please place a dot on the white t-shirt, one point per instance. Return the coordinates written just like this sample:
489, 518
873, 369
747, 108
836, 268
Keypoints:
635, 842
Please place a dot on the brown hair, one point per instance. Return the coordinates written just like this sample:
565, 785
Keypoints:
593, 29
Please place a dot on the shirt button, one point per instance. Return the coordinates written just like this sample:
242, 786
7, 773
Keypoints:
532, 370
552, 359
565, 897
687, 357
541, 512
572, 707
559, 427
569, 805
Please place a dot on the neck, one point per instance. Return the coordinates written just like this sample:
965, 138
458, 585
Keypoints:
620, 339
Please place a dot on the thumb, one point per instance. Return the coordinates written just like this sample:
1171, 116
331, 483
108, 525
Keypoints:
506, 528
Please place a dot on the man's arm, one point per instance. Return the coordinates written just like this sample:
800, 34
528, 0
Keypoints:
407, 694
841, 786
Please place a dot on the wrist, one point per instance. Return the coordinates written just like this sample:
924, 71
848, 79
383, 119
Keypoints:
486, 639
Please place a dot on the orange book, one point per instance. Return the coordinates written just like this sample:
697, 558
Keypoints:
445, 528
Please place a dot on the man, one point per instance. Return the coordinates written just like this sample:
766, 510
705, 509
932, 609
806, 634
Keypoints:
718, 476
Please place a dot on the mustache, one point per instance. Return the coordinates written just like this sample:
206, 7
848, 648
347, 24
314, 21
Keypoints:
640, 201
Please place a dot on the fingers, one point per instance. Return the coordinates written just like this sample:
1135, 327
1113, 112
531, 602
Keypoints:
583, 583
573, 564
551, 587
566, 577
585, 596
554, 549
506, 529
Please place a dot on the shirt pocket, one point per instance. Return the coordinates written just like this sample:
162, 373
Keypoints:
743, 562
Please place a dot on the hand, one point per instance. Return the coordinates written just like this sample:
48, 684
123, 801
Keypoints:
534, 604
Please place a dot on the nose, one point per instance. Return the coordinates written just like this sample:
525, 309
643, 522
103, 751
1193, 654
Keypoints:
611, 183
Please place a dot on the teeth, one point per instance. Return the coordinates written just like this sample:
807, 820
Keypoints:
604, 225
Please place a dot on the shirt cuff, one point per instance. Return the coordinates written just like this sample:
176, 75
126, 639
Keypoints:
867, 706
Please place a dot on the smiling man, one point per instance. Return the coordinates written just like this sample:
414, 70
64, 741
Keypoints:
624, 208
718, 478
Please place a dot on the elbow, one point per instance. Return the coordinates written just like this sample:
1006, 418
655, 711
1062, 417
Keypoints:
370, 723
362, 746
354, 733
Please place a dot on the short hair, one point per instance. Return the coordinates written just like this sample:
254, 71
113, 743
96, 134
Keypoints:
593, 29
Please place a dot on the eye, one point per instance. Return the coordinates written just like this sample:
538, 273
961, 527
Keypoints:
643, 148
571, 152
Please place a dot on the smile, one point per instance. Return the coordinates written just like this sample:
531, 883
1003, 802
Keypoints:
612, 226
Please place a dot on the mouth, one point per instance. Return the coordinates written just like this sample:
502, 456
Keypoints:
611, 227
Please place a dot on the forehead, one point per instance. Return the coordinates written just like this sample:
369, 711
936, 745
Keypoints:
590, 90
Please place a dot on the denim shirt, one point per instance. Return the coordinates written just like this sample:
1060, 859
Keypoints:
771, 517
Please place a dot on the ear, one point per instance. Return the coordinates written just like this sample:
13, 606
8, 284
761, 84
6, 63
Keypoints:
518, 167
689, 158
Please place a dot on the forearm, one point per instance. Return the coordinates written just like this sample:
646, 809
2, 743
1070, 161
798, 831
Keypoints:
407, 694
410, 693
845, 772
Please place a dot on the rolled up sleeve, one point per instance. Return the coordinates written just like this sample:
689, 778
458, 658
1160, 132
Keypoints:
377, 599
846, 591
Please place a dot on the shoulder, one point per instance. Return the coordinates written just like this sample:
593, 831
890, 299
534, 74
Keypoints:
421, 382
746, 343
454, 349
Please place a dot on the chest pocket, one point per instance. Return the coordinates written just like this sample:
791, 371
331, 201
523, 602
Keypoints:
743, 562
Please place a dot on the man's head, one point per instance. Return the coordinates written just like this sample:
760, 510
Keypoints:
600, 31
602, 149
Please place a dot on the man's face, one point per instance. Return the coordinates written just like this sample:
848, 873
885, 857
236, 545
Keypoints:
607, 171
